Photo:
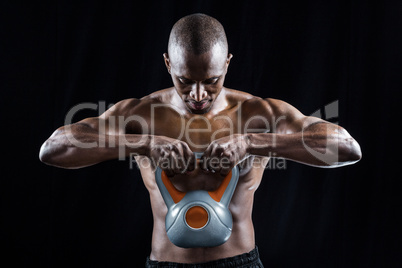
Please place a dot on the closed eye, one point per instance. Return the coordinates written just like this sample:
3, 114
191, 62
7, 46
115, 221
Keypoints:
185, 81
212, 80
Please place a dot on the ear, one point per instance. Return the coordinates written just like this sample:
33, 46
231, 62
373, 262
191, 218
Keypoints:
230, 56
167, 61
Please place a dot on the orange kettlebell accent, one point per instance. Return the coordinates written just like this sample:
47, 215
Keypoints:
218, 193
178, 195
196, 217
174, 193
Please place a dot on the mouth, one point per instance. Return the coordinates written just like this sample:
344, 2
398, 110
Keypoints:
198, 105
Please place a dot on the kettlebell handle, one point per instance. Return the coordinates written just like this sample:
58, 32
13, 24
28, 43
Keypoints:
222, 194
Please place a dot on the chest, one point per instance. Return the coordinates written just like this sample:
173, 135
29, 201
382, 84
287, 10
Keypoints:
197, 131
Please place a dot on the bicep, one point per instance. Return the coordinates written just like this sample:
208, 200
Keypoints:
286, 119
98, 125
110, 122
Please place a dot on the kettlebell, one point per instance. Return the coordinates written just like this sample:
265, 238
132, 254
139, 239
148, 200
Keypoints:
198, 218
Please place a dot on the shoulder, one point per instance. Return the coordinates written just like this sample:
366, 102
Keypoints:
281, 108
277, 112
251, 101
275, 108
135, 105
162, 95
243, 99
237, 94
251, 104
122, 107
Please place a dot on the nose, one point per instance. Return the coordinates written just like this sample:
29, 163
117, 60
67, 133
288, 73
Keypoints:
198, 92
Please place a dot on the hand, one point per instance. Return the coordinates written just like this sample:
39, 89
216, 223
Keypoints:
171, 155
225, 153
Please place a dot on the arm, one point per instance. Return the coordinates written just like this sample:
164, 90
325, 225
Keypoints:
294, 136
304, 139
93, 140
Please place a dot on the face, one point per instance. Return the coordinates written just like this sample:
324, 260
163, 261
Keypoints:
198, 79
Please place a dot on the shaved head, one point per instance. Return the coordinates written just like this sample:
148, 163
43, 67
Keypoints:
198, 60
197, 34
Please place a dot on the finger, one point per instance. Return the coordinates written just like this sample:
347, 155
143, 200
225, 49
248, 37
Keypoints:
204, 157
213, 162
225, 171
191, 163
181, 153
189, 158
175, 162
169, 172
165, 164
226, 164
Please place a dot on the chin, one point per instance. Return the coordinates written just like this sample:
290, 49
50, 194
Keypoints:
202, 111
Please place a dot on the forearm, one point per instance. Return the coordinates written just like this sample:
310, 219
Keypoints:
316, 146
79, 146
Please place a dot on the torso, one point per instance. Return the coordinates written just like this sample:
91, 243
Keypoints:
167, 121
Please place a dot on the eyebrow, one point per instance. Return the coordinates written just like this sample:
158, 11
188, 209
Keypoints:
210, 78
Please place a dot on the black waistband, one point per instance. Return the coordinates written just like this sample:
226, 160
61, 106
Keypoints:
244, 259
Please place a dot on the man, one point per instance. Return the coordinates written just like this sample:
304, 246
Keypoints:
199, 114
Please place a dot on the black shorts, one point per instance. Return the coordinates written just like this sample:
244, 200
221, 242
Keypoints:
245, 260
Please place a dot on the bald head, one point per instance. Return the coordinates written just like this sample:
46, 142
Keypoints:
198, 60
197, 34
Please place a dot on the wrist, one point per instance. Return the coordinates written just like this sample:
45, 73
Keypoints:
146, 145
139, 144
250, 143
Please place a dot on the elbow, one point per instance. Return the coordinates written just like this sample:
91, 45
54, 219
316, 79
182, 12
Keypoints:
53, 154
59, 153
44, 156
53, 149
47, 153
355, 151
350, 152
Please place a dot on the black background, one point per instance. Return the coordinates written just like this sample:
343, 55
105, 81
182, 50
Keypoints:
56, 54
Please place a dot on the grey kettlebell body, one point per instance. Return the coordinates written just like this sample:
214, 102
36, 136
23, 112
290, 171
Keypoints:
198, 218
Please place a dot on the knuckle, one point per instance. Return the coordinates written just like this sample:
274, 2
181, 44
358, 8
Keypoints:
214, 144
